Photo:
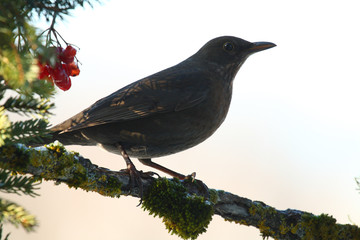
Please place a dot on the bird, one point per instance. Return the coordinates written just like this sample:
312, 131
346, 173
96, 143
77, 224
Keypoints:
164, 113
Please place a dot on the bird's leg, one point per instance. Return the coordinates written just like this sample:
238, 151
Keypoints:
148, 162
134, 173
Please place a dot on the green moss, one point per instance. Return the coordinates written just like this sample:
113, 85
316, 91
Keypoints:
214, 196
56, 163
264, 229
266, 213
185, 215
241, 222
252, 210
20, 162
112, 186
324, 227
285, 228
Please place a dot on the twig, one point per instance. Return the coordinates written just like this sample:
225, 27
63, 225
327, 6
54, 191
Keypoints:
57, 164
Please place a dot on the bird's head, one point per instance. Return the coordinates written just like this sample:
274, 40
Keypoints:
229, 53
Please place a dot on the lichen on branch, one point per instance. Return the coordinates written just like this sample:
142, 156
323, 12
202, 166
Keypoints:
186, 207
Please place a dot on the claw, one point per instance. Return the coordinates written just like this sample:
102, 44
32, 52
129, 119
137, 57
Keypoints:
148, 162
191, 176
135, 176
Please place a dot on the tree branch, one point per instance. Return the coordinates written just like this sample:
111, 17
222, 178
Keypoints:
53, 162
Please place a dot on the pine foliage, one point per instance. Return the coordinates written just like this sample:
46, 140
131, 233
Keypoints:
22, 94
17, 215
1, 233
35, 111
28, 104
17, 184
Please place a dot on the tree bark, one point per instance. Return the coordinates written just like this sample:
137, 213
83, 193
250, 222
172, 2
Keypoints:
53, 162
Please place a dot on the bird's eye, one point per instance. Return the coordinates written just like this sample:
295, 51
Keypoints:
228, 46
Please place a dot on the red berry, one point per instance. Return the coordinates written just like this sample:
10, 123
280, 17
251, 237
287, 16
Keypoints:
66, 59
70, 51
67, 56
71, 69
63, 84
44, 72
60, 77
58, 73
75, 71
63, 69
67, 68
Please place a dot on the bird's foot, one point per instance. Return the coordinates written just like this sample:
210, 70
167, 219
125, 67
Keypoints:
135, 175
150, 174
191, 176
197, 187
150, 163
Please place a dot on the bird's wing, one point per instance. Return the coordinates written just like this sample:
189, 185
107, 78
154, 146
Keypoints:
141, 99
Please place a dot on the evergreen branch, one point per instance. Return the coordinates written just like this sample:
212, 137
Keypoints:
4, 126
28, 130
45, 89
53, 162
1, 232
47, 8
16, 215
3, 87
17, 184
23, 9
28, 104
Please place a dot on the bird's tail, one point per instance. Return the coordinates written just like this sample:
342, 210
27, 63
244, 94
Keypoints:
66, 138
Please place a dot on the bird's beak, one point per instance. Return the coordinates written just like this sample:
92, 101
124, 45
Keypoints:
259, 46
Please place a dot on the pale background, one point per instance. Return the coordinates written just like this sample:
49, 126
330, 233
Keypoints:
292, 135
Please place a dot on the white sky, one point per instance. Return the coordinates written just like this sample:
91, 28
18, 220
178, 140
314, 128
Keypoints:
291, 138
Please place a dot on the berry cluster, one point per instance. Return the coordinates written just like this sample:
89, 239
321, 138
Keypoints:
65, 67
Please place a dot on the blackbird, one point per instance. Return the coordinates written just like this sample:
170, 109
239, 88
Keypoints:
167, 112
